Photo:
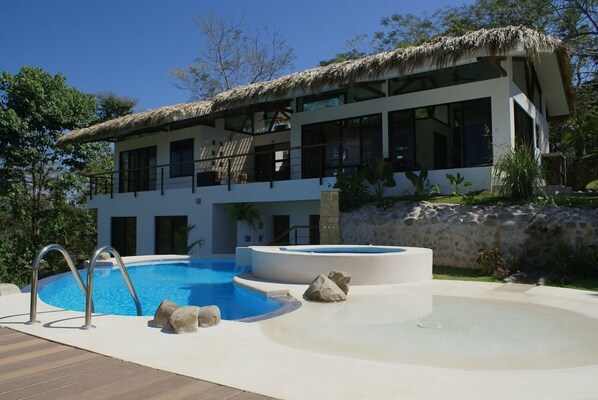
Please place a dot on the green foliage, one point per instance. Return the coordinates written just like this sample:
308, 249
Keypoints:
456, 181
42, 190
421, 183
518, 173
493, 263
245, 212
418, 181
575, 262
593, 186
111, 106
353, 191
379, 174
182, 237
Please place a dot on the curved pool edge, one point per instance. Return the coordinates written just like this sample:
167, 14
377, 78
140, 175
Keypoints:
300, 266
287, 302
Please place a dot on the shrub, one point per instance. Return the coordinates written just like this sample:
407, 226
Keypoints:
493, 263
456, 181
379, 174
353, 191
592, 186
422, 185
573, 262
518, 173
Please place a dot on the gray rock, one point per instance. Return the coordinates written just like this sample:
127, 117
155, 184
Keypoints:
342, 279
208, 316
184, 319
163, 313
324, 290
6, 289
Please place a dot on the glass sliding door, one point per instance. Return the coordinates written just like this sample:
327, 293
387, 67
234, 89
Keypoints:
137, 170
171, 235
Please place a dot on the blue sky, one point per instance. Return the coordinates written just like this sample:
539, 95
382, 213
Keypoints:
131, 46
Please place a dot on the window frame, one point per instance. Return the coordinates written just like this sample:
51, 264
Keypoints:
181, 166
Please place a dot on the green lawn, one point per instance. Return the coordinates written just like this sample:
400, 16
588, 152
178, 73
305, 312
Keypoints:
467, 274
460, 274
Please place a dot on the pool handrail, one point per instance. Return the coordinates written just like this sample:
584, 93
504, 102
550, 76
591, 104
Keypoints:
88, 294
34, 277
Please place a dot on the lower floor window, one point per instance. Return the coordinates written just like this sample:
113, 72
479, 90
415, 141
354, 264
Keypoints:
171, 235
124, 235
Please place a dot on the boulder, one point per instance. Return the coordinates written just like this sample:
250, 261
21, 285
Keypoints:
342, 279
163, 313
7, 289
324, 290
208, 316
184, 319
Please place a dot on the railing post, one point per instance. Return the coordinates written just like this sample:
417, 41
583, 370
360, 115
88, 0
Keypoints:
296, 229
321, 164
161, 181
112, 185
340, 158
272, 168
228, 172
193, 178
90, 187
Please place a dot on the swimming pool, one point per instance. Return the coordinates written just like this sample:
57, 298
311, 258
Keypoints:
198, 282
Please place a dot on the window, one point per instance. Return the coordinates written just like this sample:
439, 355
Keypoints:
137, 170
526, 79
352, 143
124, 235
242, 123
319, 101
171, 235
359, 91
181, 158
524, 127
442, 136
272, 162
445, 77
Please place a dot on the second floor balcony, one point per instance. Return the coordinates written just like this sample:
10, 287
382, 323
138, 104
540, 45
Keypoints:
279, 162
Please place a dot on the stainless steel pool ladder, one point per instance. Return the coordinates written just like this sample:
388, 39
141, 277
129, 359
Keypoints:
34, 277
89, 290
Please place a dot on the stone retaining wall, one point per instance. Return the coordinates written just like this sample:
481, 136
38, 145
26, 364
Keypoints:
456, 233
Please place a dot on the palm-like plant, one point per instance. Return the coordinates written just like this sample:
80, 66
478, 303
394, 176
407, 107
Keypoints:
245, 212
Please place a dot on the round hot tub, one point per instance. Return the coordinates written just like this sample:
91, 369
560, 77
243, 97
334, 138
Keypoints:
368, 265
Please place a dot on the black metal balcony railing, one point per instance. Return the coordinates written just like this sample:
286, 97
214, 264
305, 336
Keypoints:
304, 162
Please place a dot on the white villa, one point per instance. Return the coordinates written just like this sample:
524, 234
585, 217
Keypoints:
452, 105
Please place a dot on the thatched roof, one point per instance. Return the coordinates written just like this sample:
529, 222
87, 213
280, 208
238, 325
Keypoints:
440, 52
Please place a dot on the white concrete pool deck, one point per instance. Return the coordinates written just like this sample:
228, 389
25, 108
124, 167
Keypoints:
244, 355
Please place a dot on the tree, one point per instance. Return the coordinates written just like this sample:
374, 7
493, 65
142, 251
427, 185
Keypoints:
42, 187
233, 55
111, 106
35, 109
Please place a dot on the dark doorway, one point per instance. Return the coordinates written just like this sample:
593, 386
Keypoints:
281, 224
124, 235
170, 235
314, 229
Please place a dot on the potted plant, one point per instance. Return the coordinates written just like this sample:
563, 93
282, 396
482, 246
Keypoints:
246, 212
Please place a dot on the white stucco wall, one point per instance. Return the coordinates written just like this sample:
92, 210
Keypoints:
296, 198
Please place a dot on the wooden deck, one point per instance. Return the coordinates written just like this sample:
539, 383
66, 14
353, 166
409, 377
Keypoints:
34, 368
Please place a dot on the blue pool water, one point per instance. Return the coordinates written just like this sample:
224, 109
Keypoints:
345, 250
198, 282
